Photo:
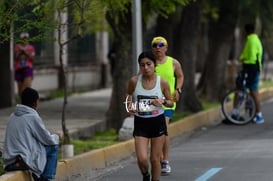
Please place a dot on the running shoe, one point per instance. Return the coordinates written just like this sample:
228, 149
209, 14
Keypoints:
235, 116
165, 167
146, 177
259, 119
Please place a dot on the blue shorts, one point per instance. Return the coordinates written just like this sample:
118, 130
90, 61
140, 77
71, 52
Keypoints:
169, 113
253, 84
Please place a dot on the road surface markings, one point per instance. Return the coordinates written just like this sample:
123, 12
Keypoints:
208, 174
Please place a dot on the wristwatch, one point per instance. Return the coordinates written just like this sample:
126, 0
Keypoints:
179, 90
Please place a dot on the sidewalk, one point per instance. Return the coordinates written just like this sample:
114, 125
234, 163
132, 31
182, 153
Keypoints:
85, 114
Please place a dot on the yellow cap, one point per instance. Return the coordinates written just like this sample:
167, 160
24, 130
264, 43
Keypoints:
159, 39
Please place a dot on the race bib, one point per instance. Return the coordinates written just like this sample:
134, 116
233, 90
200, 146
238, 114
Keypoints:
144, 105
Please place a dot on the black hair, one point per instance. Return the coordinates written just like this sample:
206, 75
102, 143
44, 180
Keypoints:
29, 97
147, 54
249, 28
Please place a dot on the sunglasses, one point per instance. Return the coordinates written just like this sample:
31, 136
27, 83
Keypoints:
159, 44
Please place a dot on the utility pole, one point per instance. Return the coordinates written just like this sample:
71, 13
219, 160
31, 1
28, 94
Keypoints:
137, 33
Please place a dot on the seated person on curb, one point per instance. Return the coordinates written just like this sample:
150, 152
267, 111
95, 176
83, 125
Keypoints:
28, 144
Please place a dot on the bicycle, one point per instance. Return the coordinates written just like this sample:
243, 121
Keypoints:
238, 105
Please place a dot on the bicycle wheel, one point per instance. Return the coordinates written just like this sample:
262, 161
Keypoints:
244, 104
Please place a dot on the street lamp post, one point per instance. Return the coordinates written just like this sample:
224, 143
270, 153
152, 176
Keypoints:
137, 32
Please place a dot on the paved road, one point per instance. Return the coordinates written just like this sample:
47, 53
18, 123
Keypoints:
221, 153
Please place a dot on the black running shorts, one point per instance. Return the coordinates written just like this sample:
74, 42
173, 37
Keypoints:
150, 127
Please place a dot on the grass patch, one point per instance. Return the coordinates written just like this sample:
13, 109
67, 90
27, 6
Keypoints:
58, 94
177, 116
1, 167
209, 105
88, 145
99, 140
266, 83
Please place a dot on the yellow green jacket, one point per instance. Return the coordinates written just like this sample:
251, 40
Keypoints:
252, 51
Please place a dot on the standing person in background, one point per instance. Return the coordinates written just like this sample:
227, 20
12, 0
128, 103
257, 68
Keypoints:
28, 144
112, 59
169, 69
149, 93
252, 65
23, 65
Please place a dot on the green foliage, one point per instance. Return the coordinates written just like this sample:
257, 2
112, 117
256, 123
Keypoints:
261, 11
119, 8
25, 16
90, 15
209, 11
85, 17
163, 7
117, 5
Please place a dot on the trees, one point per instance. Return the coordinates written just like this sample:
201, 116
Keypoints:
178, 20
12, 14
82, 14
182, 29
229, 15
220, 34
6, 74
188, 33
119, 17
6, 96
40, 15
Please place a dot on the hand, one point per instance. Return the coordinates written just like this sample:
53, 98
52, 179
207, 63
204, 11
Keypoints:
176, 96
132, 108
158, 102
58, 134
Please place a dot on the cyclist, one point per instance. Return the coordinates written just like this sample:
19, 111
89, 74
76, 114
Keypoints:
251, 57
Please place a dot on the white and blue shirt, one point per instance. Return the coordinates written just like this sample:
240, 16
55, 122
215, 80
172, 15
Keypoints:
144, 97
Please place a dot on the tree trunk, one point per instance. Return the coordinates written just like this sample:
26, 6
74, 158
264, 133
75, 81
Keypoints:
123, 66
165, 27
181, 30
212, 83
62, 79
6, 76
66, 135
188, 32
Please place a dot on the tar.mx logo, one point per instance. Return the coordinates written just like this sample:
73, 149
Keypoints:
131, 106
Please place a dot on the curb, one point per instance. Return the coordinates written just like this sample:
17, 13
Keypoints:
82, 166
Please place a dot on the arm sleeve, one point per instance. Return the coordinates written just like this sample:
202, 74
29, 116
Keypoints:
40, 132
